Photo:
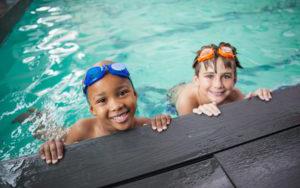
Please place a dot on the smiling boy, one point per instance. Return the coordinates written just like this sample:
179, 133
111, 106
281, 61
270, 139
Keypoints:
213, 83
113, 102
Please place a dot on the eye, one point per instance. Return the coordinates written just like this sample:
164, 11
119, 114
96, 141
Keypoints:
101, 101
227, 76
123, 92
209, 76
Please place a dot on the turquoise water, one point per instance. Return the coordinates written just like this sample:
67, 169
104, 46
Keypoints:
44, 58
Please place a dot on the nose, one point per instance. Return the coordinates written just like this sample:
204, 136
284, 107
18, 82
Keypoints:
217, 83
115, 105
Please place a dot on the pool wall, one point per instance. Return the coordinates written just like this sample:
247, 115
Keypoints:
10, 13
251, 144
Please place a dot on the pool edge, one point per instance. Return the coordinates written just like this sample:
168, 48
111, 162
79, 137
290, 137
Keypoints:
11, 15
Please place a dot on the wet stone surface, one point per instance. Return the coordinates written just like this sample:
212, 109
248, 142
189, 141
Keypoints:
207, 173
273, 161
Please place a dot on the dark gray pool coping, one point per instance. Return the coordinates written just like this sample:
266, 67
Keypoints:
251, 144
10, 13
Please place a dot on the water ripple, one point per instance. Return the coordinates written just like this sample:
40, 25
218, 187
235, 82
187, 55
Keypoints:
51, 20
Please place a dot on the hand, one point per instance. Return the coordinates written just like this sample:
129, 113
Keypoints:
160, 122
52, 151
210, 109
262, 93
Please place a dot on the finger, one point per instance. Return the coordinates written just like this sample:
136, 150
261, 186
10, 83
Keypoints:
47, 153
42, 153
215, 109
209, 107
269, 94
265, 94
164, 122
168, 119
59, 147
205, 110
53, 151
197, 110
260, 94
153, 125
158, 123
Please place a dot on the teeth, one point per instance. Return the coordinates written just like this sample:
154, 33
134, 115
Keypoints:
121, 118
217, 93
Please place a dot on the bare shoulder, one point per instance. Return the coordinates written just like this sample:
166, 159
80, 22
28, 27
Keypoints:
85, 126
81, 130
187, 100
187, 92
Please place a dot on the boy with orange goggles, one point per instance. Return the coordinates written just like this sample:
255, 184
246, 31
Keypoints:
213, 83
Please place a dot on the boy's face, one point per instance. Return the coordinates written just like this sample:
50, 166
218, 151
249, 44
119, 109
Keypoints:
215, 86
113, 101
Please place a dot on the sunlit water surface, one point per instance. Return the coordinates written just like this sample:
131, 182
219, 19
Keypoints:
44, 58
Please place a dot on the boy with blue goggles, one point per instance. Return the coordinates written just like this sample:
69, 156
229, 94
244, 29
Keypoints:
113, 102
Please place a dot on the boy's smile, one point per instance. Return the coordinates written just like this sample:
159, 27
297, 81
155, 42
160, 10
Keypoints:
215, 85
113, 102
121, 117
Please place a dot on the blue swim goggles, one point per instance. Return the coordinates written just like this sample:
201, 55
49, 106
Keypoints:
96, 73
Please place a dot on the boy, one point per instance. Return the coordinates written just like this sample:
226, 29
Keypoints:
213, 83
113, 100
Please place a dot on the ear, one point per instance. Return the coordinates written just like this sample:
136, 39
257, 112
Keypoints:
92, 110
135, 93
196, 80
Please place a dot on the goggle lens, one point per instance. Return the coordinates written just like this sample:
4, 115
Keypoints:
209, 53
96, 73
118, 66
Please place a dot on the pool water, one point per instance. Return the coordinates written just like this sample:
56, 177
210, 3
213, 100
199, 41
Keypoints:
44, 58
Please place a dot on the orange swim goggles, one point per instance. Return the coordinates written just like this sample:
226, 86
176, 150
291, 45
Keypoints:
209, 53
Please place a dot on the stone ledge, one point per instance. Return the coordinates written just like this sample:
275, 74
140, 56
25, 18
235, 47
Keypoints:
140, 154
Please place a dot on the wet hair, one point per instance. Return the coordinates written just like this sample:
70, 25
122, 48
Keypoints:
228, 63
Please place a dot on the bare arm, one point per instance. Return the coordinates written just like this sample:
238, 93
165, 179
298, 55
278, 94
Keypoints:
185, 105
79, 131
184, 108
186, 100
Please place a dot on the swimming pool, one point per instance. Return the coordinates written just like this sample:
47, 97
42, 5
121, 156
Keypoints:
44, 58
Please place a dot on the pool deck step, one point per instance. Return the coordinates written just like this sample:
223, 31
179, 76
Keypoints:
10, 13
251, 144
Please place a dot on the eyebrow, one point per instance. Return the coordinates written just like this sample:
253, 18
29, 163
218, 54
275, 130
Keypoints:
124, 85
99, 95
211, 72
